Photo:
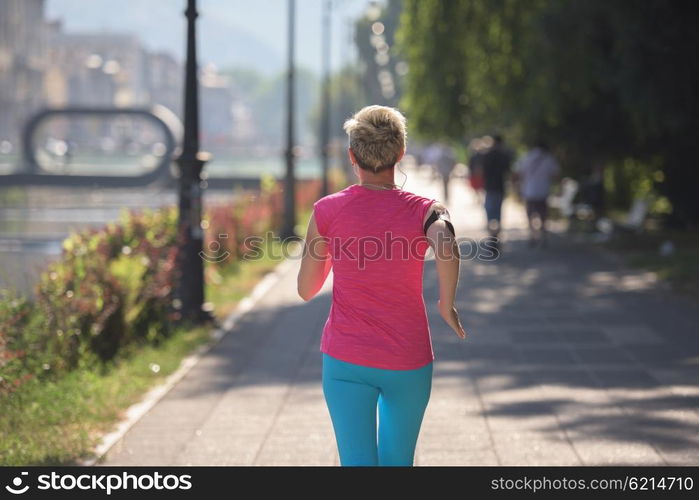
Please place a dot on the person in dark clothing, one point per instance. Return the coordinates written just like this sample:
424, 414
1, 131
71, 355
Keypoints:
592, 192
497, 162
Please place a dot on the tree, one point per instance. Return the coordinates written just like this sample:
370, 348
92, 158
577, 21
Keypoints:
346, 97
380, 62
602, 81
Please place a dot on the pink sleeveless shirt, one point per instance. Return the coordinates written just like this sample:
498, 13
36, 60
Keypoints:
377, 245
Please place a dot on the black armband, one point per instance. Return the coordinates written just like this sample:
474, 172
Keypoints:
440, 215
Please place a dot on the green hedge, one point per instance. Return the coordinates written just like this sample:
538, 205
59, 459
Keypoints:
112, 288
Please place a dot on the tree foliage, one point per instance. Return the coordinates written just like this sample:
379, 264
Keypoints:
603, 81
375, 67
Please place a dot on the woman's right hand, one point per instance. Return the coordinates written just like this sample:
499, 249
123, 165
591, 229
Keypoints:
451, 316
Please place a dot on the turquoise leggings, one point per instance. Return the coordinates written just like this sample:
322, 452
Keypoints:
352, 392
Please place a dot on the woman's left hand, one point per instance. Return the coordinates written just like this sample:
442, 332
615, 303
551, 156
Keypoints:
451, 316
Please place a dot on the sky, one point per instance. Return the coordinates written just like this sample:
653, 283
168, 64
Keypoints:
249, 33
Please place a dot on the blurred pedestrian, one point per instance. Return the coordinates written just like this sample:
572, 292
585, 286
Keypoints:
430, 156
475, 168
497, 162
535, 172
446, 160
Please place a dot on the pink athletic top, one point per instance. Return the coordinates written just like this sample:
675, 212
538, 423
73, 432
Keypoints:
377, 245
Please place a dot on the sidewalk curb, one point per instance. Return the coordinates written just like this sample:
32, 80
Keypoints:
136, 411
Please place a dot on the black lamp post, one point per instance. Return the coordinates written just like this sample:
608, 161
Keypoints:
288, 230
190, 286
325, 118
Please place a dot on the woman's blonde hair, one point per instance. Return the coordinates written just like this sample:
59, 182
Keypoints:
377, 136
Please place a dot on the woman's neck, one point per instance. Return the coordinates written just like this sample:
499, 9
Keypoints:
383, 179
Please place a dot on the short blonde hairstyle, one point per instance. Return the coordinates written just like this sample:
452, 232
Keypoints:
377, 136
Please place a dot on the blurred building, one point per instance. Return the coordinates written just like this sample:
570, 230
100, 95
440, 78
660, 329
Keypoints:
97, 69
23, 62
216, 102
43, 65
244, 131
165, 81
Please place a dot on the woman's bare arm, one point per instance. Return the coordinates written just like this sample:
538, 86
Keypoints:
315, 263
448, 261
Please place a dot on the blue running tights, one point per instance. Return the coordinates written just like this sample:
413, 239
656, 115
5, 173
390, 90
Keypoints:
353, 393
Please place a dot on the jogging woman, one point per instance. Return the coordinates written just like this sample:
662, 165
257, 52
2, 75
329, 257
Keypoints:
376, 346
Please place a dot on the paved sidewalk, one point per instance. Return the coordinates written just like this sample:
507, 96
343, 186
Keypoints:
571, 360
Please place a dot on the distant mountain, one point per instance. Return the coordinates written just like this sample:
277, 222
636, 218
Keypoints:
161, 26
226, 46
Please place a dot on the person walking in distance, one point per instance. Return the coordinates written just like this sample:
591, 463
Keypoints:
534, 173
496, 164
475, 169
446, 161
376, 344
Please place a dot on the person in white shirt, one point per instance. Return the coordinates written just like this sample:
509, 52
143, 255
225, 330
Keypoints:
446, 161
535, 172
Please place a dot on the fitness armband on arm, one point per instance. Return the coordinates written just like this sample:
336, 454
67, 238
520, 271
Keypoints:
435, 215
